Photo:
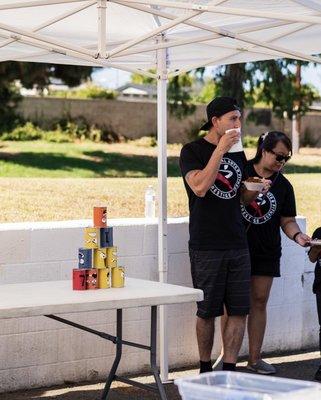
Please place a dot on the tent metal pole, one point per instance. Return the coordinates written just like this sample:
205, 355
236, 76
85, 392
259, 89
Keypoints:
201, 39
18, 33
102, 5
162, 198
245, 12
154, 11
152, 33
246, 39
311, 5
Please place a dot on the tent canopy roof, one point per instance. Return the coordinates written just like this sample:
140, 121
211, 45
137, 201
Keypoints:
125, 34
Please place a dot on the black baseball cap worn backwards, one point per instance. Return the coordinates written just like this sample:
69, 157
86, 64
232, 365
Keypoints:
218, 107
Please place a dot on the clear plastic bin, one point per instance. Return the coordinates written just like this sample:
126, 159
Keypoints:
225, 385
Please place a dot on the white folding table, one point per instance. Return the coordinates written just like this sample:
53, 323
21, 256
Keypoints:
57, 297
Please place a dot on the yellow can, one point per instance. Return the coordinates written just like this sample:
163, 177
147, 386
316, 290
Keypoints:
104, 278
111, 257
91, 238
117, 277
100, 258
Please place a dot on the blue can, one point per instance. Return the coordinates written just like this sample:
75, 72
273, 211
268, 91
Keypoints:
84, 258
106, 237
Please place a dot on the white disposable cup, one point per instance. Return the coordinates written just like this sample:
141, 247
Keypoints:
238, 146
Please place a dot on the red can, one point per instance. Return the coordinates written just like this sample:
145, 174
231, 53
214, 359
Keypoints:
100, 217
91, 279
79, 279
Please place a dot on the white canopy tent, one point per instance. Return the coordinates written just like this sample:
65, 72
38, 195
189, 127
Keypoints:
166, 36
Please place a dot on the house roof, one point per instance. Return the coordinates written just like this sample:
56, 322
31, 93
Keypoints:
134, 88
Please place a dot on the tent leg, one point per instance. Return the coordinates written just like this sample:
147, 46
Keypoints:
162, 199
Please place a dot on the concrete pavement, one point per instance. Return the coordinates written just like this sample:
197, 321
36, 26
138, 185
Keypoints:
296, 366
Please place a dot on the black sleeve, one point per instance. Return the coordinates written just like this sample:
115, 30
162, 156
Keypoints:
288, 207
246, 171
317, 233
244, 161
188, 160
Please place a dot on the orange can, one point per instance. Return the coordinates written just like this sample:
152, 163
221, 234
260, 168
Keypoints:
100, 217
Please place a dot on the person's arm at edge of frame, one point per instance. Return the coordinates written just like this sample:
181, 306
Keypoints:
201, 180
315, 252
292, 230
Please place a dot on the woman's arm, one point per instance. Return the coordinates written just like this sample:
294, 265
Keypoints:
293, 231
314, 254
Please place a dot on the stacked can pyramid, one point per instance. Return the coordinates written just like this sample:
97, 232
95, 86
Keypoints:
97, 259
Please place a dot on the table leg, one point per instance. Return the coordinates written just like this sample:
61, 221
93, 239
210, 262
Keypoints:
117, 357
118, 340
153, 345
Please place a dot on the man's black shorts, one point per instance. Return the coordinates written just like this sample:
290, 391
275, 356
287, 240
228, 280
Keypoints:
224, 276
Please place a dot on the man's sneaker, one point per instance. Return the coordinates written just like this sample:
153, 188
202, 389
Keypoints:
317, 375
218, 365
262, 367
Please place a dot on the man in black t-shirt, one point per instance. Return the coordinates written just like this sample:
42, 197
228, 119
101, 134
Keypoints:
315, 256
220, 262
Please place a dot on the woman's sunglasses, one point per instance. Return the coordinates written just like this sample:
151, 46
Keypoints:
280, 157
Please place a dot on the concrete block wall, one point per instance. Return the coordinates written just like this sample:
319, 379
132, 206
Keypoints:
109, 114
40, 352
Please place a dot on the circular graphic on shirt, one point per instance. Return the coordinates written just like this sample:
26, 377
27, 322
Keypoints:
228, 179
261, 209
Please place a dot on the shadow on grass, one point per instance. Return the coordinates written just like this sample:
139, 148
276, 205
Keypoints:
103, 164
302, 169
100, 163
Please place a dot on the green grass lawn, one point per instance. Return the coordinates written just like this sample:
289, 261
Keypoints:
37, 180
80, 160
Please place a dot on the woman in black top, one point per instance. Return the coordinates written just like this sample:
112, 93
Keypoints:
263, 219
315, 256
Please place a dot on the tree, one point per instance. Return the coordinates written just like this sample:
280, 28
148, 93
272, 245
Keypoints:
207, 92
231, 80
276, 83
32, 75
280, 86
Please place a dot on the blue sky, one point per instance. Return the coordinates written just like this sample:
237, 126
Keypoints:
112, 78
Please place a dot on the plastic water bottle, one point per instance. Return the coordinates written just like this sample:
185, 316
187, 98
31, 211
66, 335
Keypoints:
150, 202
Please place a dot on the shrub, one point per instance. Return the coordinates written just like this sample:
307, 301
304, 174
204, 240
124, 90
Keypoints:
88, 92
65, 131
23, 133
56, 136
95, 92
250, 141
